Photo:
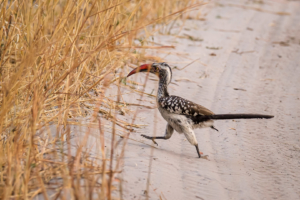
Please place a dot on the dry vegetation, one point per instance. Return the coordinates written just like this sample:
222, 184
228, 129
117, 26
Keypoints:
56, 60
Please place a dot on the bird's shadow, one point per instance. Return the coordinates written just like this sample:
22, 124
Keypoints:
164, 150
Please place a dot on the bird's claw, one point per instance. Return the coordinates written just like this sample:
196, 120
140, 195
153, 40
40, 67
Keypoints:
154, 142
205, 157
149, 138
145, 136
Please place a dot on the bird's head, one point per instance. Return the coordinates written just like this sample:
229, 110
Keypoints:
162, 70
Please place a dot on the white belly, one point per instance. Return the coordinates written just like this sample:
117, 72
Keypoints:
181, 123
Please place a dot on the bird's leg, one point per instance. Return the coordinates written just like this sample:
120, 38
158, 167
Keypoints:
168, 134
197, 149
214, 128
153, 138
199, 153
190, 136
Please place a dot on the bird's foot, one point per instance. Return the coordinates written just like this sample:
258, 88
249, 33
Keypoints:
154, 142
205, 157
149, 138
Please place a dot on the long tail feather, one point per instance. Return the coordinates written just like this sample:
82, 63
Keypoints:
233, 116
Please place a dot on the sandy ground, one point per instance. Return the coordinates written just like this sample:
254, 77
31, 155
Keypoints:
251, 52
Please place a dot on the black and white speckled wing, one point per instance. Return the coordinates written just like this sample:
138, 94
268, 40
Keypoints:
181, 106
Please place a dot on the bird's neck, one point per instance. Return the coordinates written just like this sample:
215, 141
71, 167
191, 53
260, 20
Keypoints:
162, 88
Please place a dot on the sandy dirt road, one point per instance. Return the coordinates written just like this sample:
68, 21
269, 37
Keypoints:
251, 52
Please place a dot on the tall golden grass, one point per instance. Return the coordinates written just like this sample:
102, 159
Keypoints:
57, 58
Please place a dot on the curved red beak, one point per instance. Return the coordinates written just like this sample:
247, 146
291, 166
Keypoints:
142, 68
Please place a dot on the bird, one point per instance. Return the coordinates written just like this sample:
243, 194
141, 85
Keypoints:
181, 114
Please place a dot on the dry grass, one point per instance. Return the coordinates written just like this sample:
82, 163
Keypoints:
57, 59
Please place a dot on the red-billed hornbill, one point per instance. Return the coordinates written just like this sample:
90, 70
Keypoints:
183, 115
